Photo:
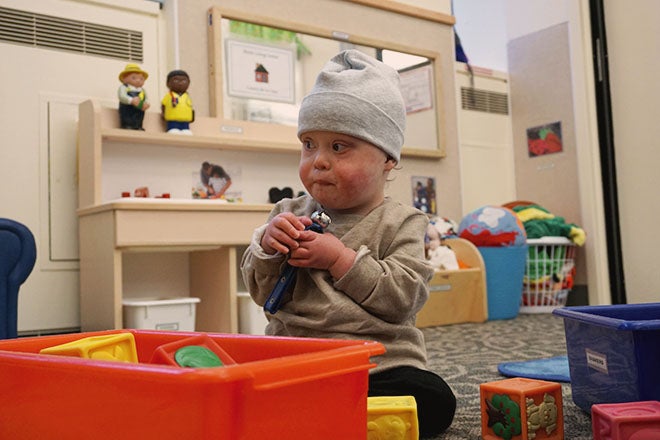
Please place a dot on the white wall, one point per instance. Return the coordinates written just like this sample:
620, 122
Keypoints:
634, 68
38, 150
486, 147
485, 28
526, 16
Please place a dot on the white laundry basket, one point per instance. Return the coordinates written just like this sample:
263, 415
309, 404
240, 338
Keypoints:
549, 274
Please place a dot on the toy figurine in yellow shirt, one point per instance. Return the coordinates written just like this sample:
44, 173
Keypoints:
177, 106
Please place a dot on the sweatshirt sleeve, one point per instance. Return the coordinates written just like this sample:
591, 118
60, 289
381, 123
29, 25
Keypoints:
394, 284
260, 270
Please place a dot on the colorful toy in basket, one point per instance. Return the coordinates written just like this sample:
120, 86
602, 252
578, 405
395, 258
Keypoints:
492, 226
539, 222
440, 257
550, 273
446, 227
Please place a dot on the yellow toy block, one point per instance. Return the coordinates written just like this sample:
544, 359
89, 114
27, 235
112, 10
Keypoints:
392, 418
115, 347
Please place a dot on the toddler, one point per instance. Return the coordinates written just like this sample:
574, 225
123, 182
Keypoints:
366, 277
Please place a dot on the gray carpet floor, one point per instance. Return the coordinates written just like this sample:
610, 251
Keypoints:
466, 355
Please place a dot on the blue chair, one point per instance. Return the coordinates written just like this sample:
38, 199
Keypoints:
18, 254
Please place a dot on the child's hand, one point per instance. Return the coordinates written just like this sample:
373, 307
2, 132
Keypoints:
283, 232
322, 251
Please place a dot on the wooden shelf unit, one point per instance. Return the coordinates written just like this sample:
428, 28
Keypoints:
457, 296
209, 231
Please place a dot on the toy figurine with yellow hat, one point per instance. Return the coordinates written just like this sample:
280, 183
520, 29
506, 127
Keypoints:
133, 100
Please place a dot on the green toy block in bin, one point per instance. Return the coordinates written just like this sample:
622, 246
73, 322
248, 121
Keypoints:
173, 353
505, 271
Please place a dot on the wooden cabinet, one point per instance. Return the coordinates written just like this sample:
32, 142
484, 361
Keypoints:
208, 232
457, 296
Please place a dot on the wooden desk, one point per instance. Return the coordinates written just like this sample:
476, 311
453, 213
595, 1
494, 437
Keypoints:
208, 230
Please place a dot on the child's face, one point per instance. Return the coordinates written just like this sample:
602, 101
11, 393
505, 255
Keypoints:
178, 83
342, 172
134, 78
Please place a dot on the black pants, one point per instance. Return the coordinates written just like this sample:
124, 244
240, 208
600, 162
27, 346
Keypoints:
436, 402
130, 117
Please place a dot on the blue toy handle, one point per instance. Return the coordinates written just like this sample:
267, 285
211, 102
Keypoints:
287, 277
275, 298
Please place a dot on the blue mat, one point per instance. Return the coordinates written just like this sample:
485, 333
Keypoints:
553, 369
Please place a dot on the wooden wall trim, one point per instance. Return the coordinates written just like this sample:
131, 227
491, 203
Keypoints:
413, 11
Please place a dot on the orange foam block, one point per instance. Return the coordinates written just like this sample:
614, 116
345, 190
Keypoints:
521, 409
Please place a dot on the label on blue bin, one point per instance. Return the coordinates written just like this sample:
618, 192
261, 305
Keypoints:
597, 361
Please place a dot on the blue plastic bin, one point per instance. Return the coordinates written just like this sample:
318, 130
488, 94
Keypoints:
613, 353
505, 270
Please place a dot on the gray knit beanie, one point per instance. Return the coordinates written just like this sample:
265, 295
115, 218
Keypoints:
357, 95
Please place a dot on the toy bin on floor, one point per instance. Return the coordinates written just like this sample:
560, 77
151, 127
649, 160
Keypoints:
160, 313
505, 268
278, 388
549, 274
613, 352
251, 317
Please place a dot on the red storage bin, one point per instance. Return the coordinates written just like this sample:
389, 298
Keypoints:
279, 388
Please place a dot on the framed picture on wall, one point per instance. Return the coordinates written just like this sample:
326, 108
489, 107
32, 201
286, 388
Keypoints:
423, 194
261, 72
217, 182
416, 87
544, 139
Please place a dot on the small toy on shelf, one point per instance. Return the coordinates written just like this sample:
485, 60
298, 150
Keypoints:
133, 101
521, 408
142, 191
117, 347
275, 194
176, 105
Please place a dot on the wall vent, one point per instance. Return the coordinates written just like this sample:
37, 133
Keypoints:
484, 101
38, 30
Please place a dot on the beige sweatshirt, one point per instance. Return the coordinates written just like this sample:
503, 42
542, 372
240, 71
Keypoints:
377, 299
